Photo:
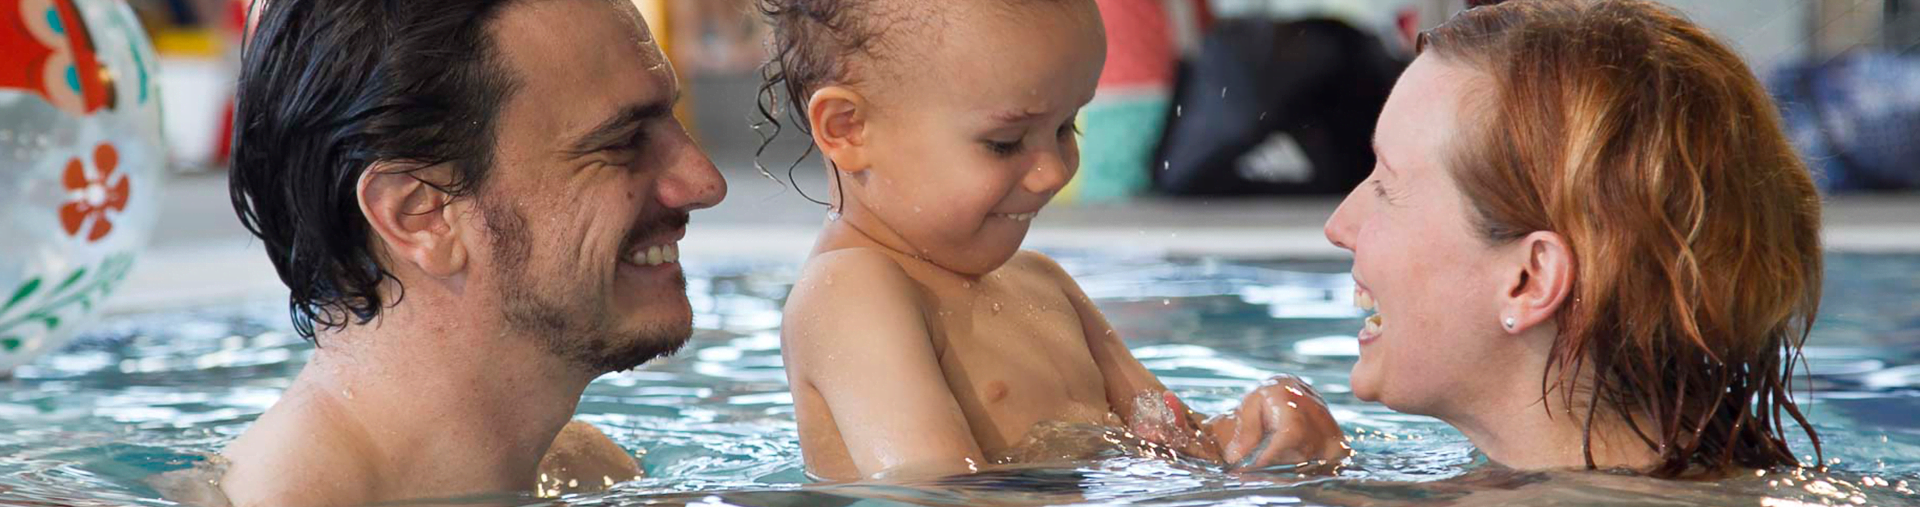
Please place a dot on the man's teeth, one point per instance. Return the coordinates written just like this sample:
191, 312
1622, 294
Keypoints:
655, 255
1020, 217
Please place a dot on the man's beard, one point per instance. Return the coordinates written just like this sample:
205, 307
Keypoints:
569, 323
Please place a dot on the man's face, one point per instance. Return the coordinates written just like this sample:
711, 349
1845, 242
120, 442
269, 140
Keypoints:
592, 183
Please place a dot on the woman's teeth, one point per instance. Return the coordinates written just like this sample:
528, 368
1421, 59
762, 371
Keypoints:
655, 255
1020, 217
1364, 300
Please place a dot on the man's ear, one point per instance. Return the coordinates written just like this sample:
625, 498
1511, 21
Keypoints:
412, 219
838, 116
1541, 281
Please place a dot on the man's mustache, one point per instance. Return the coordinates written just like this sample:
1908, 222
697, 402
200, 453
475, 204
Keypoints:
666, 223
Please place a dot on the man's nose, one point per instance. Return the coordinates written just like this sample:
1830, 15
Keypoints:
691, 181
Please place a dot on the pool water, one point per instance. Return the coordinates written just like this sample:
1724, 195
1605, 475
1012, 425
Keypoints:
149, 393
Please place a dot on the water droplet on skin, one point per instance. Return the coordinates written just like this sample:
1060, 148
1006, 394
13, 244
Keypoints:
966, 285
996, 308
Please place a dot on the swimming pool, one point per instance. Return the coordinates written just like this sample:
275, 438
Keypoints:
147, 393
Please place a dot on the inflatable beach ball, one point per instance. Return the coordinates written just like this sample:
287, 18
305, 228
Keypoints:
81, 162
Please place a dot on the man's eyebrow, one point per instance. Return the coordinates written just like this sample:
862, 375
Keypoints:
620, 127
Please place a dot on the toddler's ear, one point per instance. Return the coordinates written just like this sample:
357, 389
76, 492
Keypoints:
838, 116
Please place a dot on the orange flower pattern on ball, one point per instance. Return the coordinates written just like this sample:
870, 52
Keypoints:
92, 195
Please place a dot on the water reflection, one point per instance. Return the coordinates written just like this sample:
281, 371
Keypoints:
149, 393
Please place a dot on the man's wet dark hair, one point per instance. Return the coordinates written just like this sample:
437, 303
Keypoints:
329, 87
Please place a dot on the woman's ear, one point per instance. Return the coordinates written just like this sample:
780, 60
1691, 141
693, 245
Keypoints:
838, 116
414, 222
1543, 274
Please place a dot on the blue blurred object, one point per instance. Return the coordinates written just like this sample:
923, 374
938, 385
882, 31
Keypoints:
1856, 119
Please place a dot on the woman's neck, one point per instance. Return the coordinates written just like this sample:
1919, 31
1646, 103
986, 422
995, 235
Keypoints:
1539, 432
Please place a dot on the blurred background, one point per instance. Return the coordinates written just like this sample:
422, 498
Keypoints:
1222, 127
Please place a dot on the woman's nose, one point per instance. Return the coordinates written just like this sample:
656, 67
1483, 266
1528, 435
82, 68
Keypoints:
1343, 225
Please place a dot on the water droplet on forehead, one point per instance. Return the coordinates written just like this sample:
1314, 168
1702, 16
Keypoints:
996, 308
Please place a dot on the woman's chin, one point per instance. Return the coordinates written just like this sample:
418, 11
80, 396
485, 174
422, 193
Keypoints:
1366, 385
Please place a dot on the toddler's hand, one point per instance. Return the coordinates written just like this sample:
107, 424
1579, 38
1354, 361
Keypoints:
1162, 419
1290, 419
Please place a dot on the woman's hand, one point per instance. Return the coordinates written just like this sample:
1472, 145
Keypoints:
1283, 422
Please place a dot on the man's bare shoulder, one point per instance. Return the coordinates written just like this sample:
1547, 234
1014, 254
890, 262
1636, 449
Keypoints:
583, 459
292, 458
199, 485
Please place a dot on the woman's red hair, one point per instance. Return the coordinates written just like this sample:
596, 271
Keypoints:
1652, 149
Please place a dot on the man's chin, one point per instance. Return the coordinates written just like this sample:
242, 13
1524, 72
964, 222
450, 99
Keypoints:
636, 347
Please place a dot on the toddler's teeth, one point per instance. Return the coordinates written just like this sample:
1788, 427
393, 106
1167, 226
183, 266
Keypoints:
1364, 300
1374, 325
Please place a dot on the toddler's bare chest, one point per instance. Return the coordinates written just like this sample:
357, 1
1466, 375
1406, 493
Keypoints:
1017, 352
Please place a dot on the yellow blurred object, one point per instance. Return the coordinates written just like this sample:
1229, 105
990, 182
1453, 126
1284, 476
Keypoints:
661, 24
189, 43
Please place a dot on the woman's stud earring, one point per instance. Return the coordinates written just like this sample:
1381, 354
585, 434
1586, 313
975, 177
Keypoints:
1510, 323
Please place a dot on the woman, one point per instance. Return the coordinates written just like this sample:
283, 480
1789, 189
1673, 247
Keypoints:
1589, 244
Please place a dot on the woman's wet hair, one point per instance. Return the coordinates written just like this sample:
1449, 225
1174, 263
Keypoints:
329, 87
1653, 150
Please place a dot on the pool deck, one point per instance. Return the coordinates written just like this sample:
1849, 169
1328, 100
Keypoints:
200, 254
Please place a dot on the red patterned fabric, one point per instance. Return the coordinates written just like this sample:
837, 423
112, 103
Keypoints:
1141, 49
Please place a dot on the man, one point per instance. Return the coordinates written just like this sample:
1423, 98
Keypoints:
475, 204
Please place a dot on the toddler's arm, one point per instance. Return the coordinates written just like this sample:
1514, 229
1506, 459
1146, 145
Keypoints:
1281, 422
857, 335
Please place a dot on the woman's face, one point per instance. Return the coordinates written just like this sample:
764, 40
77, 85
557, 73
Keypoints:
1435, 341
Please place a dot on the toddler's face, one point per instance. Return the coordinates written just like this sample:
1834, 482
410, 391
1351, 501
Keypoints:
972, 130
